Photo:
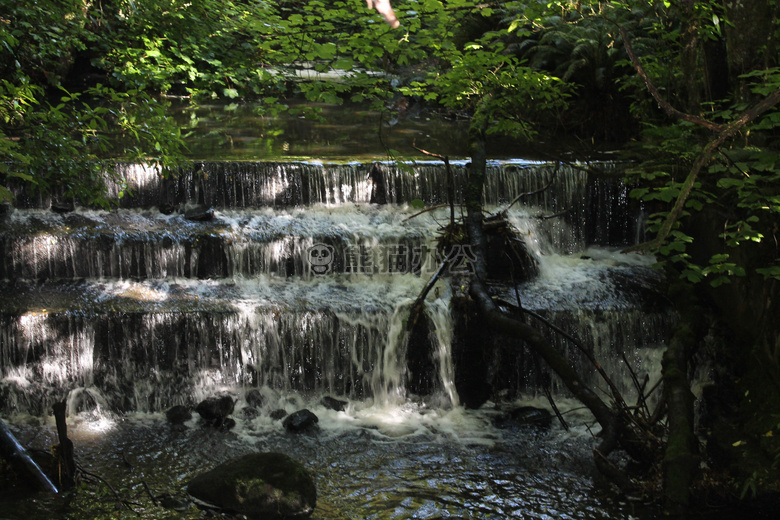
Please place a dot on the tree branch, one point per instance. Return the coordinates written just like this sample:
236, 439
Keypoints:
669, 109
704, 158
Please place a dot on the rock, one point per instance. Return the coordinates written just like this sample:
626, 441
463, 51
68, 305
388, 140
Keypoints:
174, 503
249, 412
531, 416
199, 213
254, 398
300, 421
270, 486
227, 424
214, 409
334, 404
63, 205
279, 414
178, 414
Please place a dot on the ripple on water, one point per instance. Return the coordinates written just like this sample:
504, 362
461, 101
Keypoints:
451, 464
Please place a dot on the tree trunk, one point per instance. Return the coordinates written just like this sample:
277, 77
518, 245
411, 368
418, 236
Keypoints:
21, 461
681, 460
750, 39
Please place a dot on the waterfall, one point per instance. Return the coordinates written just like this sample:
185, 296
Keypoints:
300, 285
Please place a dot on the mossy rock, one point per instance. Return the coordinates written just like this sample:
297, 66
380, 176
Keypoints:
260, 485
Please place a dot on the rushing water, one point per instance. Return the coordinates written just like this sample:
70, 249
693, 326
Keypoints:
127, 313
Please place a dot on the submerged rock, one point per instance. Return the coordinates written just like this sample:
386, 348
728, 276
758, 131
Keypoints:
270, 486
301, 421
254, 398
250, 412
525, 416
199, 213
214, 410
278, 414
334, 404
531, 416
178, 414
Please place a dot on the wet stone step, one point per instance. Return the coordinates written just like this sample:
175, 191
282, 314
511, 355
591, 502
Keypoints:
148, 346
235, 184
128, 244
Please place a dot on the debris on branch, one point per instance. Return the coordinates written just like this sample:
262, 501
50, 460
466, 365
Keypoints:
619, 428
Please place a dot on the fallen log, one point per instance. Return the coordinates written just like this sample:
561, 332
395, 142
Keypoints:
21, 461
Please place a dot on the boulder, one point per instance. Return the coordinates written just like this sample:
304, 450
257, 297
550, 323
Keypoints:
178, 414
529, 416
271, 486
250, 413
301, 421
199, 213
214, 410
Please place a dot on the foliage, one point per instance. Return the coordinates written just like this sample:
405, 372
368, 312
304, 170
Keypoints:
81, 84
83, 80
60, 141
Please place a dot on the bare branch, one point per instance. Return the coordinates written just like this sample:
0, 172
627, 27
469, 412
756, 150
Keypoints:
669, 109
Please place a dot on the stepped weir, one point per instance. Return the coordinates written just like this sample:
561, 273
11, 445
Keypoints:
296, 279
151, 309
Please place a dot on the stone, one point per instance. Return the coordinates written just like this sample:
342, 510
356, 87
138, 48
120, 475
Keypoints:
178, 414
214, 410
334, 404
531, 416
301, 421
199, 213
250, 412
254, 398
278, 414
271, 486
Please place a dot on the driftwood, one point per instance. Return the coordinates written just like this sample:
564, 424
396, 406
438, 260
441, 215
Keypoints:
21, 461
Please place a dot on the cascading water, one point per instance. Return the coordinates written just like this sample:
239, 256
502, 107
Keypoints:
298, 286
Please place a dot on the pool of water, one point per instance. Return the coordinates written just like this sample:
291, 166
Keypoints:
245, 131
369, 462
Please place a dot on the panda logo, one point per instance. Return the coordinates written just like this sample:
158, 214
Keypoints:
320, 258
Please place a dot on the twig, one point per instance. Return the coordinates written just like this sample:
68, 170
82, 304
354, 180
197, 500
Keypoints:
414, 312
724, 133
110, 487
704, 158
437, 206
535, 192
640, 398
554, 215
615, 393
149, 492
450, 180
